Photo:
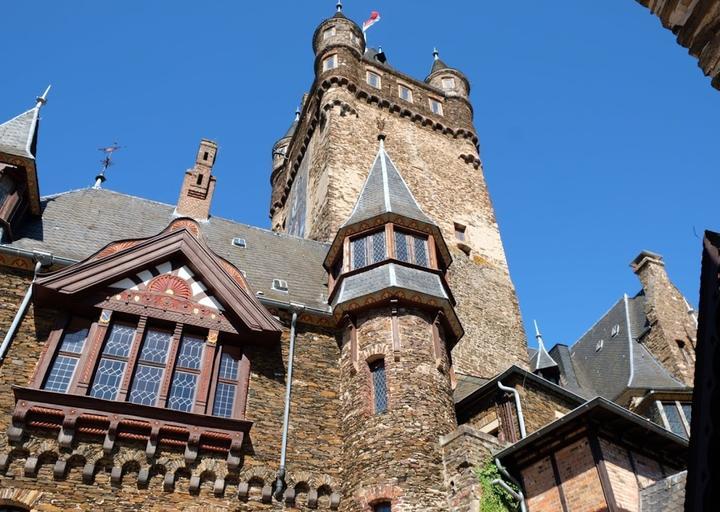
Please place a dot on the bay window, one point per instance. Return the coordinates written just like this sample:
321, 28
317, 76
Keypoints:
367, 249
411, 248
66, 360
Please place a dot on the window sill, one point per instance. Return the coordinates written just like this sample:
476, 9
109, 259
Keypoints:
72, 414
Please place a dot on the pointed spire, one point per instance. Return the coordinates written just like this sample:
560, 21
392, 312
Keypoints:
41, 100
542, 359
18, 136
436, 54
338, 6
437, 63
385, 191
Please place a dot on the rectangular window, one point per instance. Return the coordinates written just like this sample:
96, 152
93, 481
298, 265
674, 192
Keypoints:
373, 79
113, 361
227, 383
150, 368
377, 371
675, 424
460, 232
329, 32
66, 360
368, 249
405, 93
187, 372
330, 63
436, 107
448, 83
411, 248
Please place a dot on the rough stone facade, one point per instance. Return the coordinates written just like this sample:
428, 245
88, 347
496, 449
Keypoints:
437, 156
398, 449
697, 26
673, 329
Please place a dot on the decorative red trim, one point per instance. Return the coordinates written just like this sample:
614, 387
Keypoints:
132, 359
48, 352
93, 346
206, 368
170, 365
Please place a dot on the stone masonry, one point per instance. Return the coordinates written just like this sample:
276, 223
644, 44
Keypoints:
438, 157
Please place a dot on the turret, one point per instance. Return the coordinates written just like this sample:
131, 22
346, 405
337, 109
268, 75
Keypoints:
199, 184
279, 150
388, 290
451, 81
340, 34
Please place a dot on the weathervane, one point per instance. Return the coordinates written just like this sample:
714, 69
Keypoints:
106, 162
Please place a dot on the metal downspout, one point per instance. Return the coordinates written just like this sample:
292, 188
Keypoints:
10, 334
280, 484
521, 418
518, 495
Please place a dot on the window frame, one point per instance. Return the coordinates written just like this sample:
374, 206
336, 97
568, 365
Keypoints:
369, 251
410, 241
240, 400
402, 87
370, 73
330, 59
72, 322
448, 79
374, 366
328, 33
677, 405
434, 101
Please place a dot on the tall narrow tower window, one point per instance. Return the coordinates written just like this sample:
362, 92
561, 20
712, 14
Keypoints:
63, 367
151, 367
377, 370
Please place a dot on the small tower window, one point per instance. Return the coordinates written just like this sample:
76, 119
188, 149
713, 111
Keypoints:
405, 93
330, 63
199, 179
411, 248
379, 382
436, 107
459, 232
448, 83
328, 33
206, 155
373, 79
383, 506
368, 249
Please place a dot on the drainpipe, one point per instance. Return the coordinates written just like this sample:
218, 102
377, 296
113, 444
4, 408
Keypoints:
280, 484
521, 418
518, 495
41, 259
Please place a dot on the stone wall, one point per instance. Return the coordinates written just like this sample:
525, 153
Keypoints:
438, 157
697, 26
395, 455
541, 407
126, 480
464, 451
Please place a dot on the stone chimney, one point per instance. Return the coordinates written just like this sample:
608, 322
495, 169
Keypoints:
198, 185
672, 334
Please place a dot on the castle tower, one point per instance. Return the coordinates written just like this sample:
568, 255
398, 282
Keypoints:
388, 284
432, 138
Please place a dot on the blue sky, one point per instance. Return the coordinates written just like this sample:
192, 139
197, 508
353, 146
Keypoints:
598, 132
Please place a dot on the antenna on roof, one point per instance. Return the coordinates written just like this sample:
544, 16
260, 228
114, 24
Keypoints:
106, 162
338, 6
436, 54
41, 100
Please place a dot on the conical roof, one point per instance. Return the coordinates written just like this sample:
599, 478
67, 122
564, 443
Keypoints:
541, 359
18, 135
438, 65
385, 191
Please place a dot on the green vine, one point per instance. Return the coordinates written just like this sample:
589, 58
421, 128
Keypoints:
494, 498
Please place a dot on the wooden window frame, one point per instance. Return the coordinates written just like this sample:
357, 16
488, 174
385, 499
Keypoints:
240, 403
402, 86
368, 74
369, 247
69, 322
410, 238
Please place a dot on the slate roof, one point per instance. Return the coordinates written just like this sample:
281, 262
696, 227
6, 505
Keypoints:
438, 65
607, 365
385, 191
541, 359
78, 223
18, 135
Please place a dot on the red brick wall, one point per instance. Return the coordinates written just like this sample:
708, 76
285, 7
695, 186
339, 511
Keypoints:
541, 491
579, 477
621, 475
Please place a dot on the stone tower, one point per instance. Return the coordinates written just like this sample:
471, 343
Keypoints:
198, 184
431, 136
388, 284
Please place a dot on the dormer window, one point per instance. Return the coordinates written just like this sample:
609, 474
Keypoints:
330, 62
367, 249
436, 106
448, 83
373, 79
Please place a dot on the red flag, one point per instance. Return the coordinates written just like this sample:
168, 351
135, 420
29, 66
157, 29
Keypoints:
374, 18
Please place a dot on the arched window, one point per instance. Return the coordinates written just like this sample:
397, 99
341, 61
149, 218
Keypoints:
383, 506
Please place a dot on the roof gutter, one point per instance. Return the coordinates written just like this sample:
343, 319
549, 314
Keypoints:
25, 253
630, 340
280, 484
41, 260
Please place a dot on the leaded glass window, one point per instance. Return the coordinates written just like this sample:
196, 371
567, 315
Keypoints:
411, 248
63, 367
377, 371
382, 507
368, 249
112, 364
227, 383
687, 411
675, 424
150, 368
185, 379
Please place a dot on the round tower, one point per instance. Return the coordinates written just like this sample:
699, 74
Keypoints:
450, 80
279, 149
337, 33
387, 288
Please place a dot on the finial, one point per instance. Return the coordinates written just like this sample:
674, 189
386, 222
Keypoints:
106, 162
436, 54
297, 114
41, 100
338, 6
538, 336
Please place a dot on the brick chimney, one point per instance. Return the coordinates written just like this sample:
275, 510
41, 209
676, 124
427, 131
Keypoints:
198, 185
672, 334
